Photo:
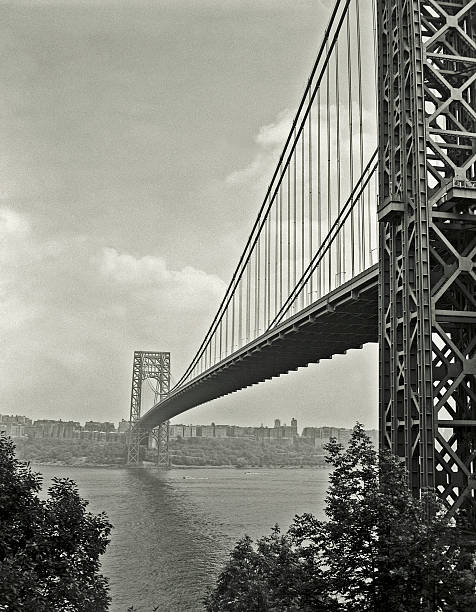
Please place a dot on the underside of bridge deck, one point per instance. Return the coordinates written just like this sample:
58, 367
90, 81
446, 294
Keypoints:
344, 319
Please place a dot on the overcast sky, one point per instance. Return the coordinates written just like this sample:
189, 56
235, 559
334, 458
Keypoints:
137, 138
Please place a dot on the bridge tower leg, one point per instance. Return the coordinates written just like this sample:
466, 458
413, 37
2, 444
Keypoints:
155, 366
427, 301
161, 436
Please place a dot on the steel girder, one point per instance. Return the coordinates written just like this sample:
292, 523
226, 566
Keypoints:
155, 366
427, 297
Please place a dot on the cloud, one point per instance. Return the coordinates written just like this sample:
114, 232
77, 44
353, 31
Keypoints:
270, 139
12, 223
275, 133
186, 289
16, 252
72, 312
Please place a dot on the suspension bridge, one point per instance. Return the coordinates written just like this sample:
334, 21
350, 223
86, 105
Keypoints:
367, 233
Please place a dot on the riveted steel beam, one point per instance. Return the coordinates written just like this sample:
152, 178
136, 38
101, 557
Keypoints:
427, 298
155, 366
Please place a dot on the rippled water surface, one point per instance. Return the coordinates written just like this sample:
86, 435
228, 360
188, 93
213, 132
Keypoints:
173, 530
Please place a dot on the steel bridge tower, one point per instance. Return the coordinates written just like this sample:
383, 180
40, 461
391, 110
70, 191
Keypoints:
427, 299
155, 366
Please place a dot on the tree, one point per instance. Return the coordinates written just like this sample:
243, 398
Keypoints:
379, 549
49, 549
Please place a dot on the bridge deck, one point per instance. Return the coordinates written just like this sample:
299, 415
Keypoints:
344, 319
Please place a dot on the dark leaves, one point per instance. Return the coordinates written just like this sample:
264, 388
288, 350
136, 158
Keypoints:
49, 550
379, 549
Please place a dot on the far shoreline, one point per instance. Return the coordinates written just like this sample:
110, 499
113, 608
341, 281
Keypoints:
150, 465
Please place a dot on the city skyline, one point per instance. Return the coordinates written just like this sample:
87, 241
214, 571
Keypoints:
276, 422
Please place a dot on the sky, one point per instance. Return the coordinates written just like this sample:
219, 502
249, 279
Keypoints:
137, 139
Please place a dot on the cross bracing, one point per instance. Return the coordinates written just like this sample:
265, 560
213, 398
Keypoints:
148, 365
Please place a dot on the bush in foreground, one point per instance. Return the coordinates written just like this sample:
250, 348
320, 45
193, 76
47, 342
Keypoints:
49, 549
379, 549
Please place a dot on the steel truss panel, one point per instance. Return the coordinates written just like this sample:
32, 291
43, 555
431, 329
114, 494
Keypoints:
427, 297
155, 366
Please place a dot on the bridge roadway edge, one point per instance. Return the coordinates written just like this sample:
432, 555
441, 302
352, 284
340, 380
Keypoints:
344, 319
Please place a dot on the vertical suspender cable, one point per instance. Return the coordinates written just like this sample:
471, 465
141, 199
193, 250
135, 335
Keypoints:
303, 136
295, 238
329, 199
361, 134
232, 347
369, 222
295, 177
215, 347
375, 56
319, 189
255, 291
240, 314
340, 240
258, 283
226, 333
268, 272
303, 248
221, 340
289, 223
309, 178
276, 253
351, 141
248, 299
280, 193
265, 273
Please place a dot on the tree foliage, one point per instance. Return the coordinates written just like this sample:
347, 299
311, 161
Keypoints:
71, 452
49, 549
244, 453
379, 549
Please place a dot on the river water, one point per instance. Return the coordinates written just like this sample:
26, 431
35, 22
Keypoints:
174, 529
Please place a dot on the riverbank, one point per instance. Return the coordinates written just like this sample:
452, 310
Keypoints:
110, 466
184, 453
149, 465
245, 453
80, 453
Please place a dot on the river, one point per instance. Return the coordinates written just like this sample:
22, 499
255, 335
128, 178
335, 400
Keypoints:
174, 529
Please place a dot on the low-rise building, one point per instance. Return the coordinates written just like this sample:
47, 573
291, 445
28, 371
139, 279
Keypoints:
14, 425
123, 426
206, 431
14, 419
238, 431
182, 431
99, 426
14, 430
278, 432
221, 431
58, 430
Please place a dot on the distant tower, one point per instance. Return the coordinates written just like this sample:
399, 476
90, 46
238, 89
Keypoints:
294, 426
155, 366
277, 423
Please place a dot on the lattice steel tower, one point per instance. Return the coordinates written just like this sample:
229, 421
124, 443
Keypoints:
155, 366
427, 303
